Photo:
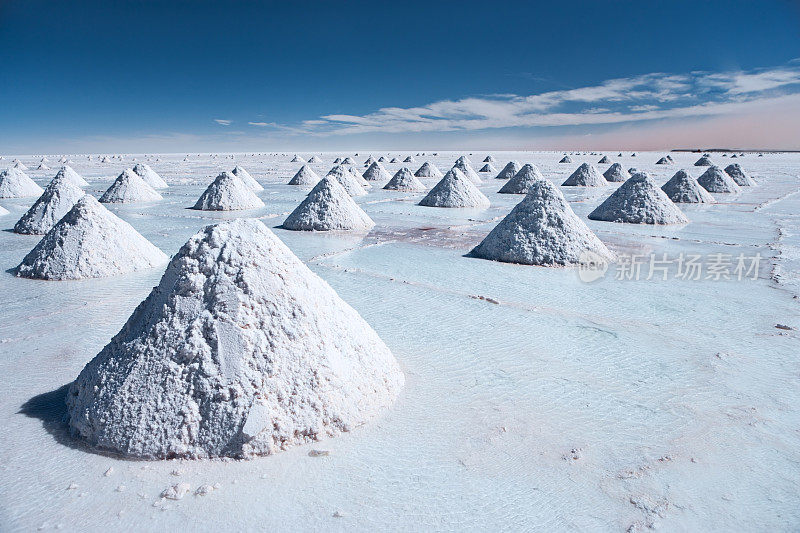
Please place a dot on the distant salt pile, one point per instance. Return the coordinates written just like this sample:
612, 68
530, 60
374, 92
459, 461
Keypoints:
129, 188
704, 161
566, 159
463, 165
735, 171
239, 351
315, 159
633, 154
639, 201
247, 178
463, 159
347, 180
714, 179
42, 166
14, 183
509, 171
541, 230
369, 161
149, 176
228, 193
348, 161
409, 159
376, 172
604, 160
382, 159
19, 165
89, 242
663, 161
616, 173
71, 176
394, 160
328, 207
428, 170
669, 158
488, 159
585, 175
404, 180
455, 190
633, 170
297, 159
487, 169
55, 202
337, 160
523, 180
682, 188
305, 177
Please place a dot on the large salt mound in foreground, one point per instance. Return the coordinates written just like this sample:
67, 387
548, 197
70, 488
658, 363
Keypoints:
682, 188
149, 176
129, 188
376, 172
247, 178
616, 173
509, 171
55, 202
404, 180
522, 180
239, 351
428, 170
541, 230
735, 171
455, 190
72, 176
14, 183
639, 201
89, 242
328, 207
714, 179
346, 179
228, 193
585, 175
305, 176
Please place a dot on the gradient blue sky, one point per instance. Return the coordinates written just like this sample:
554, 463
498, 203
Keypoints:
194, 75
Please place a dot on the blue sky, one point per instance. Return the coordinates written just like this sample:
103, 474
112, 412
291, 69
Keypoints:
194, 75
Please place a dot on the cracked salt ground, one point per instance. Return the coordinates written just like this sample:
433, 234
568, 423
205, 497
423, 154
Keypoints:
496, 394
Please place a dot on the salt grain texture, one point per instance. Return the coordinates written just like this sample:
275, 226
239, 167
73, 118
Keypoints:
682, 188
55, 202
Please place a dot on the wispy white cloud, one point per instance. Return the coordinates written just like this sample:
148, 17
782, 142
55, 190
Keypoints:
639, 98
223, 122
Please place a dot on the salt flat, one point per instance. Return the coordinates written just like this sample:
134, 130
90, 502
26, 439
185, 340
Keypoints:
532, 400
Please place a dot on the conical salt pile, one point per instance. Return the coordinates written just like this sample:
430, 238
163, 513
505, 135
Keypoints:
585, 175
315, 159
150, 176
305, 176
409, 159
394, 160
347, 180
509, 171
734, 170
72, 176
488, 159
239, 351
616, 173
566, 159
463, 160
428, 170
487, 169
14, 183
463, 165
247, 178
639, 201
404, 180
376, 172
369, 161
328, 207
55, 202
541, 230
129, 188
714, 179
455, 190
89, 242
297, 159
19, 165
704, 161
228, 193
663, 161
348, 161
669, 158
604, 160
522, 180
682, 188
382, 159
337, 160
